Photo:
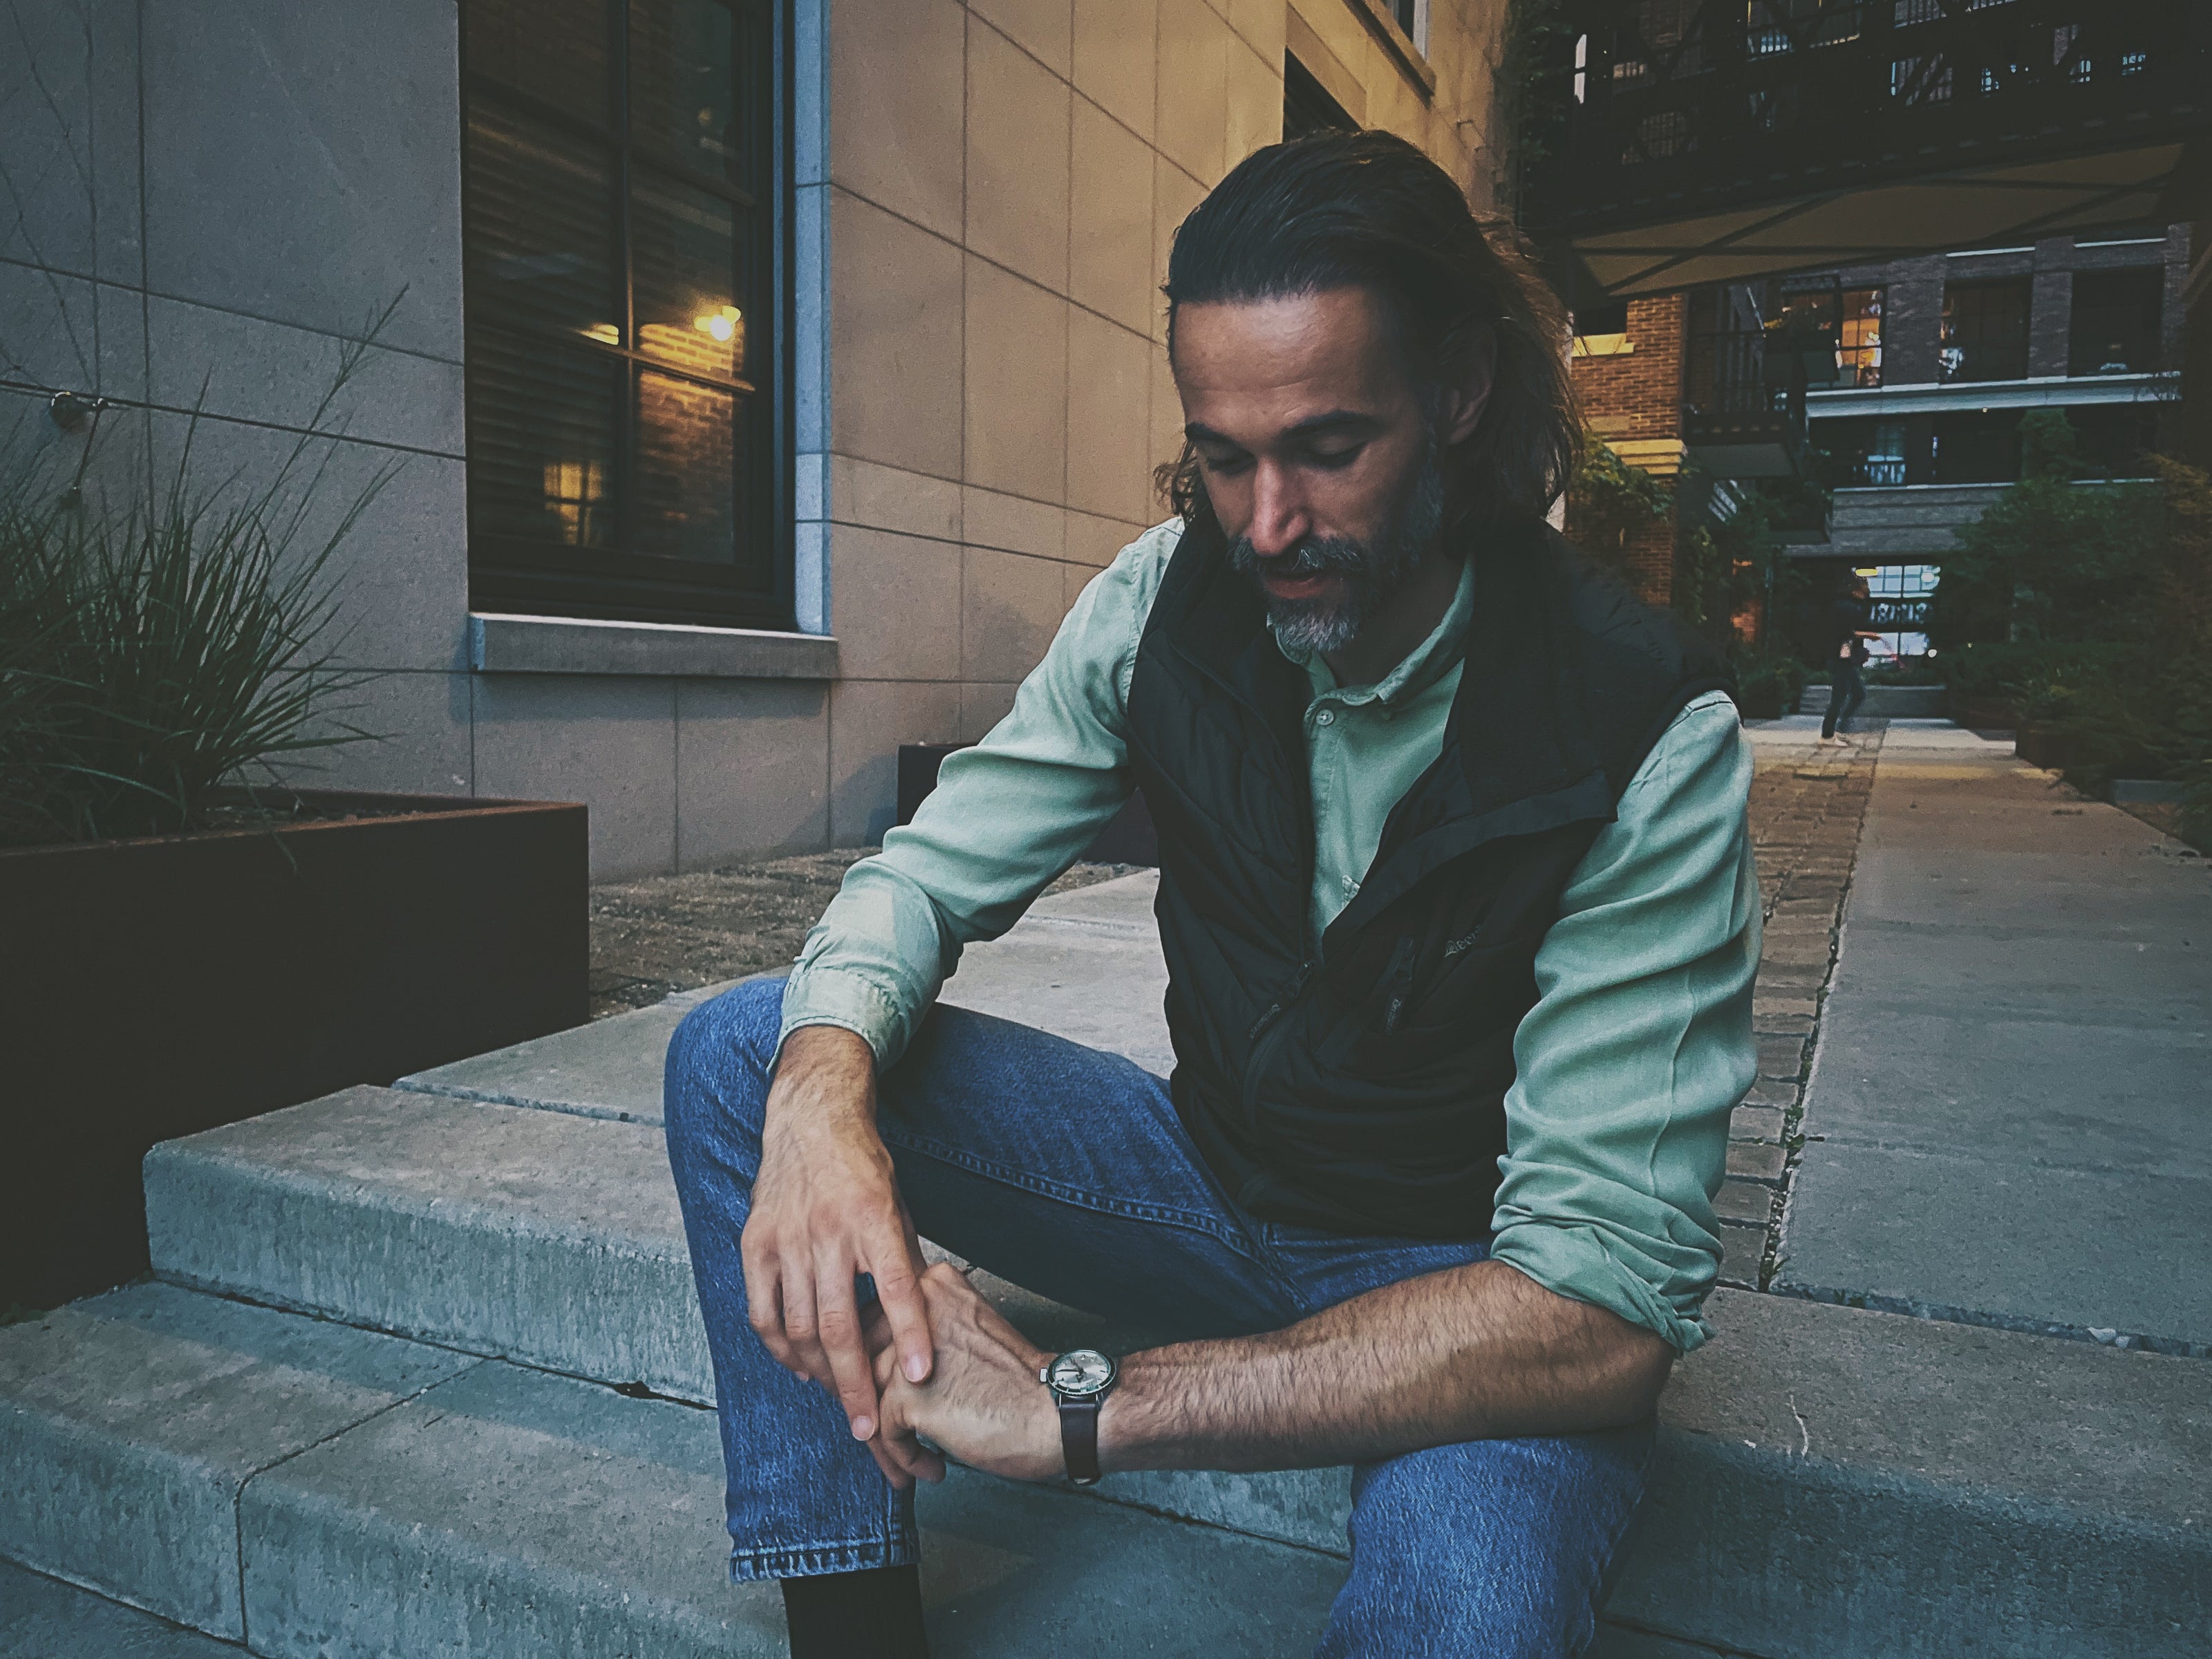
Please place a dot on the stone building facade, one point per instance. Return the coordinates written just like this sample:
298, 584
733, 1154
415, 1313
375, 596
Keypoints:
209, 201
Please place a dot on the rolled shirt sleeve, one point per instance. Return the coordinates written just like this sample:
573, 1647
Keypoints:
1008, 816
1640, 1044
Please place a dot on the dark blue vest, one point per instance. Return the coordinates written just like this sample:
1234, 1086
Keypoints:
1357, 1081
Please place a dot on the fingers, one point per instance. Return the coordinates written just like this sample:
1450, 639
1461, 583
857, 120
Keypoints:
898, 1290
801, 1333
897, 1446
838, 1333
894, 1470
764, 1309
876, 1338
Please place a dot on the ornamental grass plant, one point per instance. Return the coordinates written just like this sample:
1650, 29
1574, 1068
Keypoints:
158, 655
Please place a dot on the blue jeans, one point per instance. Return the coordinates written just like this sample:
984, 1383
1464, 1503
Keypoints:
1846, 691
1065, 1170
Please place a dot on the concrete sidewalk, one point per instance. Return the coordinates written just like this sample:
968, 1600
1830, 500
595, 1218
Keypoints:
2009, 1116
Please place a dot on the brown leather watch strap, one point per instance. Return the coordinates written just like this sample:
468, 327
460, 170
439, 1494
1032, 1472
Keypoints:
1079, 1437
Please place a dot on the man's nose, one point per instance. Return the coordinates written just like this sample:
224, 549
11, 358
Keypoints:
1280, 519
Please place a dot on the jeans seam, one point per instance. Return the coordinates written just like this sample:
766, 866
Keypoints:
1618, 1533
1158, 1214
841, 1555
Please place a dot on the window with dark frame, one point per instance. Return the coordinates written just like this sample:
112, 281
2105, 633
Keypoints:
1869, 450
2113, 439
1601, 316
1984, 330
1847, 322
2116, 322
1975, 446
623, 238
1308, 105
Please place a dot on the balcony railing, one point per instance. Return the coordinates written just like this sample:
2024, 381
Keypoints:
1744, 405
1655, 109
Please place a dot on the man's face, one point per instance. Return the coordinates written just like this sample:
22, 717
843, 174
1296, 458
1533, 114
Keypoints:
1320, 458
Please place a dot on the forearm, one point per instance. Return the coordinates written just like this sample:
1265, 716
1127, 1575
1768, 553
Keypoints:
1008, 816
1474, 1352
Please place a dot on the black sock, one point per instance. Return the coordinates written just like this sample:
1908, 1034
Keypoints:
872, 1614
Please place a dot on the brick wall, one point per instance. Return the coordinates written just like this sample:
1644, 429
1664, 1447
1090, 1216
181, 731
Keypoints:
1632, 399
1637, 393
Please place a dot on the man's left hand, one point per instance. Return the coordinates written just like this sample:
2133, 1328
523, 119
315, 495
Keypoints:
981, 1403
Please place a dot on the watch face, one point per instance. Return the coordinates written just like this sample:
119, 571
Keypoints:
1083, 1370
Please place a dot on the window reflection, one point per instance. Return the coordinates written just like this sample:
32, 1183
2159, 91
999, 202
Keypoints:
687, 484
1984, 331
690, 313
683, 76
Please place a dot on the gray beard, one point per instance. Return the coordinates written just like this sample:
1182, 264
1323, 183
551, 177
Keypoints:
1374, 570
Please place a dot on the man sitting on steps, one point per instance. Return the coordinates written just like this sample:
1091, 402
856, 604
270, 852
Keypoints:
1460, 919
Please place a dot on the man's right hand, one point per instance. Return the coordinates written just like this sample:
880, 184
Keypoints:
826, 1209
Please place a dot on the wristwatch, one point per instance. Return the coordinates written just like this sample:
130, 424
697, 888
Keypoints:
1080, 1380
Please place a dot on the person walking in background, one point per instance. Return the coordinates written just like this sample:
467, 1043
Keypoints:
1847, 690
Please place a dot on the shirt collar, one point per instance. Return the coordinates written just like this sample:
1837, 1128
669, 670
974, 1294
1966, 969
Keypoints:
1419, 669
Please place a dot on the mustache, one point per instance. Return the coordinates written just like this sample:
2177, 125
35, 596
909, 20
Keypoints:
1314, 555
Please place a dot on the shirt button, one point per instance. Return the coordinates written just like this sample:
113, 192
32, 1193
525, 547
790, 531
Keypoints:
1327, 717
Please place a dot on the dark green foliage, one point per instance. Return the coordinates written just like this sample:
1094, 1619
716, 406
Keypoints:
1767, 683
1531, 89
1609, 500
2053, 558
2002, 669
1736, 567
2110, 616
151, 656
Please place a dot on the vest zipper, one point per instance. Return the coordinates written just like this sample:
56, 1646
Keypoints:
1288, 996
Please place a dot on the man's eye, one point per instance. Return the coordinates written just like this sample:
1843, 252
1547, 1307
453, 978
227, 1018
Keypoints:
1333, 460
1226, 465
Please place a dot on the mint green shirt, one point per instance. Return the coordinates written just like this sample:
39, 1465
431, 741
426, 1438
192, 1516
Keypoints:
1639, 1045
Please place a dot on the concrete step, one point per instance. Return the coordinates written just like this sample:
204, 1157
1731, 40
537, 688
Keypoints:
310, 1490
1832, 1483
543, 1237
42, 1618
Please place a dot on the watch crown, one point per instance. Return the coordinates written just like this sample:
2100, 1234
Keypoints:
1044, 1374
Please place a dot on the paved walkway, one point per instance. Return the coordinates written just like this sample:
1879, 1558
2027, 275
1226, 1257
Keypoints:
2009, 1119
1806, 807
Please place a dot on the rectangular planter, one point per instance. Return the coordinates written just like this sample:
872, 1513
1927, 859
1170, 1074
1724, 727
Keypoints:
2040, 746
154, 988
1984, 713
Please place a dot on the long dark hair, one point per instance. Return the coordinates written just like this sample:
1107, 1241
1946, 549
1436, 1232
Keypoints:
1342, 209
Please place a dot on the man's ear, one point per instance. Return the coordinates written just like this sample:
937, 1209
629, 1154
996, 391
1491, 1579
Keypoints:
1471, 371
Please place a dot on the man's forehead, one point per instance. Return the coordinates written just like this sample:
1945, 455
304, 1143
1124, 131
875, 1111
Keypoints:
1305, 358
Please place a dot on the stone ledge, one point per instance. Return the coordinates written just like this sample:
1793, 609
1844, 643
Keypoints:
43, 1618
1831, 1483
491, 1508
503, 644
130, 1423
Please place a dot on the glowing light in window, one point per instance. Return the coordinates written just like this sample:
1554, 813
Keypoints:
721, 323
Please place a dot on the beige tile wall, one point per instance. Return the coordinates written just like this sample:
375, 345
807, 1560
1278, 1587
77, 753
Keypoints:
1005, 179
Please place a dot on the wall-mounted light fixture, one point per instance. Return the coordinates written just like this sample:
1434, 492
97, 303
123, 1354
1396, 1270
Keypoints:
721, 323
